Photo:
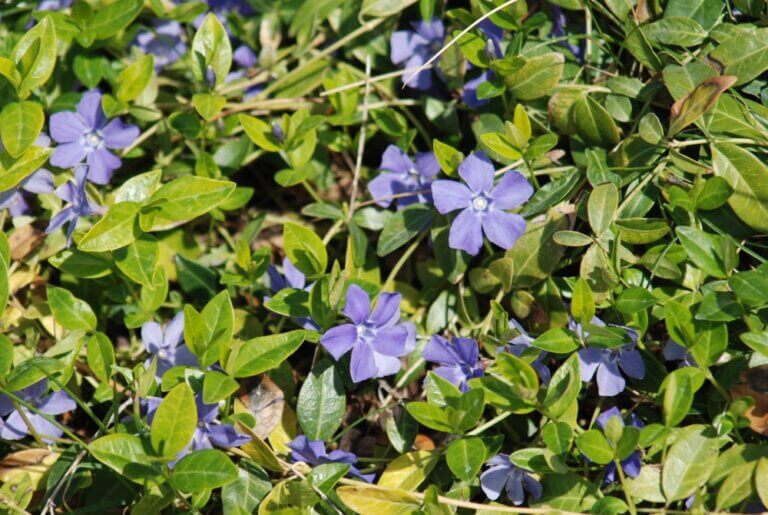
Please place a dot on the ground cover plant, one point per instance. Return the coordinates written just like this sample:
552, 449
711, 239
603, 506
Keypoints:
383, 256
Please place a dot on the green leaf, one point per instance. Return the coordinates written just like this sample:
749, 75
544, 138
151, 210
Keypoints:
211, 48
557, 341
305, 249
465, 457
81, 264
139, 260
115, 229
557, 436
675, 30
134, 78
595, 446
693, 106
263, 353
197, 280
384, 502
679, 321
14, 171
101, 356
430, 416
761, 480
746, 175
260, 132
125, 454
69, 311
678, 393
403, 226
219, 317
183, 199
218, 386
113, 18
408, 471
689, 462
6, 355
448, 157
174, 422
537, 76
633, 300
20, 125
737, 487
243, 495
321, 403
563, 389
583, 302
35, 56
208, 105
536, 255
593, 123
641, 231
705, 250
290, 302
746, 57
203, 470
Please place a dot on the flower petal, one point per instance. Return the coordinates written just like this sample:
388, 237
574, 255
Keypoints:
386, 365
631, 363
589, 359
450, 195
89, 108
338, 340
57, 403
511, 191
152, 337
224, 435
427, 165
39, 182
607, 415
358, 304
395, 160
101, 163
384, 186
466, 232
67, 127
363, 363
390, 341
68, 155
422, 80
119, 135
440, 350
174, 331
609, 380
403, 44
503, 229
387, 311
477, 171
493, 480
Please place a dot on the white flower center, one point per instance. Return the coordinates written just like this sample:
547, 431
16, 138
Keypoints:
480, 203
162, 354
93, 139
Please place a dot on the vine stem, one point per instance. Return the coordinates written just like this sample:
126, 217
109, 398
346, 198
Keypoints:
402, 261
361, 140
495, 420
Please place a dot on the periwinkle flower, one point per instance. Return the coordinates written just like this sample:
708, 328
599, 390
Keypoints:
377, 339
164, 40
53, 5
291, 277
559, 23
673, 351
73, 192
13, 199
415, 47
505, 475
312, 452
86, 134
13, 427
167, 345
404, 175
482, 205
458, 359
609, 363
522, 342
208, 433
630, 465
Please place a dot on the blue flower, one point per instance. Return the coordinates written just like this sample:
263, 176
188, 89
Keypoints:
459, 359
167, 346
483, 206
165, 41
13, 427
312, 452
631, 465
415, 47
404, 175
503, 475
78, 205
522, 342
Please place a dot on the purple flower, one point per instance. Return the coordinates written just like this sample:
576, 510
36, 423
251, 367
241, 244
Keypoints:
292, 278
610, 363
459, 359
165, 41
630, 465
40, 181
73, 192
470, 90
13, 427
673, 351
312, 452
415, 47
377, 339
208, 433
167, 345
482, 205
559, 22
502, 475
402, 175
86, 134
522, 342
53, 5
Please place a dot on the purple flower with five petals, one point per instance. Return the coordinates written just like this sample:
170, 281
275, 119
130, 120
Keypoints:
609, 363
86, 134
630, 465
505, 475
208, 433
483, 205
377, 339
415, 47
73, 192
164, 40
167, 346
459, 359
15, 428
522, 342
404, 175
312, 452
